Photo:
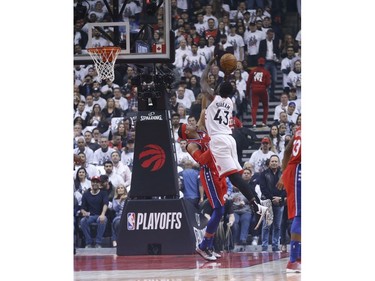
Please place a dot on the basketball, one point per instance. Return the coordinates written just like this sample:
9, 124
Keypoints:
77, 159
228, 63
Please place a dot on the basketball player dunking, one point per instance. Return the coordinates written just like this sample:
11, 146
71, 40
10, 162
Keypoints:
218, 122
214, 187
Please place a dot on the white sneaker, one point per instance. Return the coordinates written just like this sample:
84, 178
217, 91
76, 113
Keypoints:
216, 255
262, 211
255, 241
269, 214
206, 254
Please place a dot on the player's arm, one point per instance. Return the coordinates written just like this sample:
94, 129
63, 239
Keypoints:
287, 153
205, 87
202, 118
201, 157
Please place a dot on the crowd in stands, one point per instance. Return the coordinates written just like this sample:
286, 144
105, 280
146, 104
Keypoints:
104, 113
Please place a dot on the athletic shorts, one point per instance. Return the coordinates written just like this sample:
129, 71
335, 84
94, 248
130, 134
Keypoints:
224, 152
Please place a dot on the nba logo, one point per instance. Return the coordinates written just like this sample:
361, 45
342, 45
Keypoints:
131, 221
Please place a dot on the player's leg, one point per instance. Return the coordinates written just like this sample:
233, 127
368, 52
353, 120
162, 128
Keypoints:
254, 107
264, 101
294, 264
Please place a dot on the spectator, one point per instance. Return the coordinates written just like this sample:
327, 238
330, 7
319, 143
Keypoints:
107, 187
121, 169
244, 74
191, 188
116, 142
81, 184
257, 160
200, 26
194, 85
118, 203
209, 15
96, 116
114, 179
183, 156
173, 102
102, 154
127, 155
98, 99
90, 169
286, 66
181, 53
222, 48
81, 147
292, 114
123, 130
195, 61
293, 97
275, 198
286, 43
110, 110
182, 98
294, 77
175, 125
211, 44
242, 213
277, 141
182, 111
123, 102
237, 42
98, 40
258, 83
86, 87
282, 107
210, 29
107, 89
196, 107
80, 112
269, 49
89, 103
93, 209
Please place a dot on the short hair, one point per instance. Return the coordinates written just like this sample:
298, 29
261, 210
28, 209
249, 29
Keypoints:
226, 89
108, 162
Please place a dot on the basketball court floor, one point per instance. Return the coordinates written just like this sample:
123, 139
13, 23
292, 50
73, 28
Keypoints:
104, 264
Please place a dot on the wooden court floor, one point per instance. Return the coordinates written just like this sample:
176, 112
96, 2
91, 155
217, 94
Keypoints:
105, 265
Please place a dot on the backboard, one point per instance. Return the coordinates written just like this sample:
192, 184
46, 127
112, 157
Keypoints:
132, 25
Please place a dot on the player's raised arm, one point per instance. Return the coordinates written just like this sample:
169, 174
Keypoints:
202, 118
205, 87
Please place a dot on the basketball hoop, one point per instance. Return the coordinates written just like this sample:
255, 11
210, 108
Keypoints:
104, 59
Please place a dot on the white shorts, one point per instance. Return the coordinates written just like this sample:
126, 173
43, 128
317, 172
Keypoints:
224, 152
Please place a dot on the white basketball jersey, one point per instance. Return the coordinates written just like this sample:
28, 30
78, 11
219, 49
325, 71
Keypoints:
219, 116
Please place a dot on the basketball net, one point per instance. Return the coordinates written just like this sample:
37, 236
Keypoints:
104, 59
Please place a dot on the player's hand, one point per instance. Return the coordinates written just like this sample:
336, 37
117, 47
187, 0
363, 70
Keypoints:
212, 60
280, 184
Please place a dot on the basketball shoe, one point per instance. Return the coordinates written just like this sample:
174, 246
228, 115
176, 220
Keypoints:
268, 203
293, 267
206, 254
263, 212
216, 255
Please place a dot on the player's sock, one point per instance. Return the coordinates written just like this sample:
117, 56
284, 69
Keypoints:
206, 242
294, 250
295, 245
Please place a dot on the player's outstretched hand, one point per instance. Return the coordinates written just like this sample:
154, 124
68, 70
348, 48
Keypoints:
280, 184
